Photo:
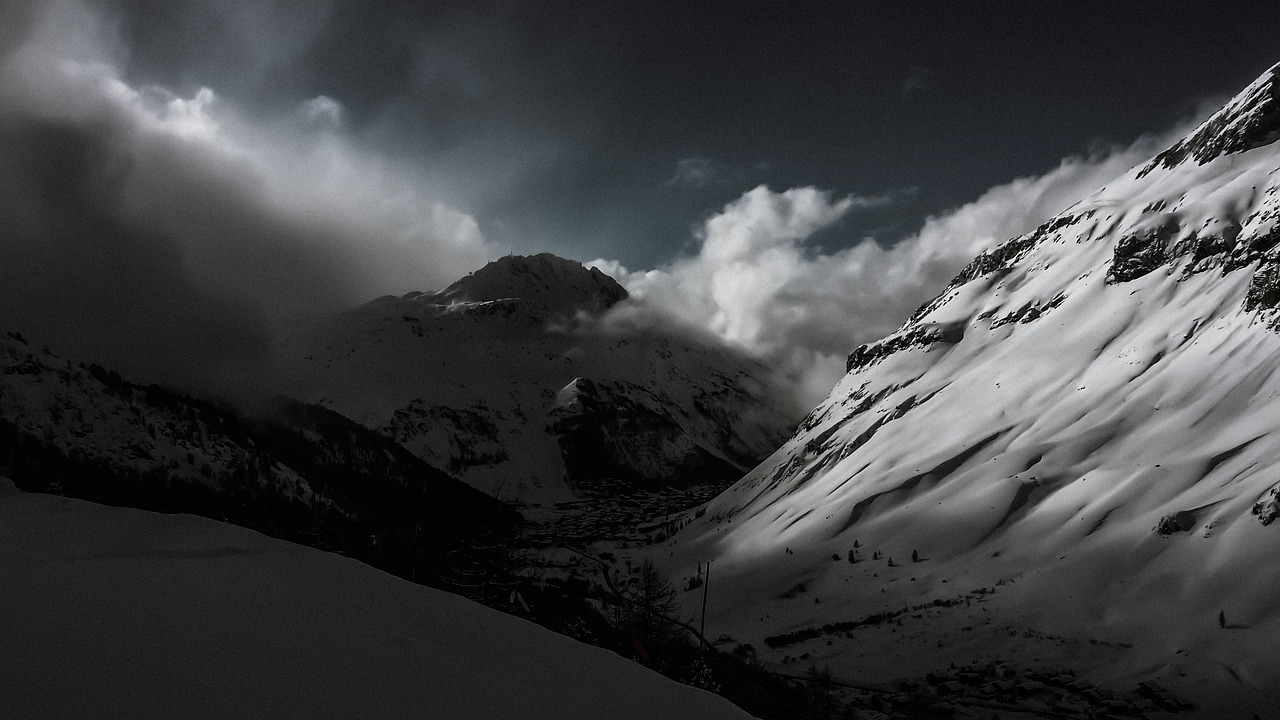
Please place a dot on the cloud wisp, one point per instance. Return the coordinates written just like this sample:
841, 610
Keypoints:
170, 237
697, 173
758, 283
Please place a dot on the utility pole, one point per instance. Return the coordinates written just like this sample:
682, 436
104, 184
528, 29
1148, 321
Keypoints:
706, 587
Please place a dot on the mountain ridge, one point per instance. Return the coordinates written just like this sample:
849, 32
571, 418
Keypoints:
543, 278
290, 470
468, 378
1086, 420
1250, 120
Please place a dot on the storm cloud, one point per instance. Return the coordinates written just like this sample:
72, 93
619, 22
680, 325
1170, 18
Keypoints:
171, 238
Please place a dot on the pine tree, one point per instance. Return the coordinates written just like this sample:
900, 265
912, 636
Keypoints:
1222, 618
915, 556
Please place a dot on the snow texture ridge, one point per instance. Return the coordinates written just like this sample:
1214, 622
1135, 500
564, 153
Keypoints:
1089, 412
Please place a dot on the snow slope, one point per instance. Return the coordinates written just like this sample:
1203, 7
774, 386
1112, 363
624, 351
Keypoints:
1086, 423
118, 613
506, 372
294, 471
93, 416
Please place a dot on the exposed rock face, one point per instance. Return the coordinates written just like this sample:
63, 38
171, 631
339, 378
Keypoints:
919, 336
459, 437
995, 263
1268, 509
1264, 288
543, 280
619, 430
1140, 253
1250, 121
1181, 521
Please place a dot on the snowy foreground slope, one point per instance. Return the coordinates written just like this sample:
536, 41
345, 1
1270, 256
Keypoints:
1080, 440
511, 378
119, 613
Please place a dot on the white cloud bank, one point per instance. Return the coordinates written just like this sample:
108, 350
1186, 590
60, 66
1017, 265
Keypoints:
756, 284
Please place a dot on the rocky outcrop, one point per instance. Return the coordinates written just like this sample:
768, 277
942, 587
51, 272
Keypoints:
1250, 121
1140, 253
1181, 521
452, 438
545, 280
918, 336
1264, 288
1268, 509
1000, 259
620, 431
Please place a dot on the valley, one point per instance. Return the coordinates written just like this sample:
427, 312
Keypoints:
550, 488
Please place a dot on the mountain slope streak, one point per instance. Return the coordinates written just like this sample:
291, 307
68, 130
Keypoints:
1088, 415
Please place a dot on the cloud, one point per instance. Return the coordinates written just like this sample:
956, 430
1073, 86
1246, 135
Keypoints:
171, 234
696, 173
758, 283
166, 235
323, 110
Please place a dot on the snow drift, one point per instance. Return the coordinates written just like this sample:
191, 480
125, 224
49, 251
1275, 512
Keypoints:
118, 613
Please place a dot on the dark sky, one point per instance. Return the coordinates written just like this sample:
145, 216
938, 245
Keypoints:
561, 125
184, 181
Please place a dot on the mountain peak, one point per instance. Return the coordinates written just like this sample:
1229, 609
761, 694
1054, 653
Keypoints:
543, 278
1250, 120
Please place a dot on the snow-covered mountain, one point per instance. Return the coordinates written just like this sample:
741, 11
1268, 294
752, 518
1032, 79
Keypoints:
512, 379
119, 613
1071, 457
295, 471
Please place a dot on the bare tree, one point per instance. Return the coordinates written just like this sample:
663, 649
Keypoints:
654, 600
